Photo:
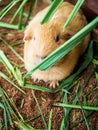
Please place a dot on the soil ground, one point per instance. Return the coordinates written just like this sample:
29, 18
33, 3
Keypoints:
46, 100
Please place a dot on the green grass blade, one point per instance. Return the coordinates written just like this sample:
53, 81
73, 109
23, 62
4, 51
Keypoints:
87, 114
39, 88
90, 108
6, 62
96, 74
33, 4
7, 8
50, 120
20, 18
88, 58
7, 107
18, 76
62, 124
5, 115
73, 13
9, 118
78, 94
11, 48
74, 101
66, 112
54, 5
44, 121
76, 123
11, 107
64, 49
3, 10
10, 26
9, 80
24, 126
16, 73
95, 62
19, 9
1, 125
31, 119
85, 119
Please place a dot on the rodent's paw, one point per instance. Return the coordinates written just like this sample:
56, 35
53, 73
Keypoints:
36, 80
53, 84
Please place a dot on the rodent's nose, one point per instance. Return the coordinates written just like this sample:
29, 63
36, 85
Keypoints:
41, 57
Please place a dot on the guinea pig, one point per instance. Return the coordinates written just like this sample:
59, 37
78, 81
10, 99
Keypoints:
42, 39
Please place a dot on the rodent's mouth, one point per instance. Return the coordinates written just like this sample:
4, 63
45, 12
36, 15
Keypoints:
35, 63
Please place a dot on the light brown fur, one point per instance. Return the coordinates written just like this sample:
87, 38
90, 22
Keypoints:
40, 42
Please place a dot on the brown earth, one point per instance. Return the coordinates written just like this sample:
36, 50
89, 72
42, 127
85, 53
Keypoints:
46, 100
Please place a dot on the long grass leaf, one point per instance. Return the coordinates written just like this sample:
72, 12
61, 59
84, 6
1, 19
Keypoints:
66, 112
80, 121
39, 88
73, 13
9, 117
62, 124
33, 4
11, 48
75, 100
96, 74
37, 103
15, 110
16, 73
24, 126
7, 107
95, 61
6, 62
3, 10
88, 58
55, 4
6, 25
18, 10
87, 114
18, 76
20, 18
10, 107
90, 108
50, 120
64, 49
9, 80
6, 9
32, 118
85, 119
5, 115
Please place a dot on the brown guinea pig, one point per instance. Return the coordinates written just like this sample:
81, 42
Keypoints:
41, 40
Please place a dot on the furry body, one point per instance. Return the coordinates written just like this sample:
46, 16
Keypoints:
41, 40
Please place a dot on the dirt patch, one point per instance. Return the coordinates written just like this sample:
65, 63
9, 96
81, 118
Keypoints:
46, 100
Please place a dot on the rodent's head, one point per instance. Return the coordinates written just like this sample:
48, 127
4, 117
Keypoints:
45, 38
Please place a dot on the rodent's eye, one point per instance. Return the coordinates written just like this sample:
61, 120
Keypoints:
57, 39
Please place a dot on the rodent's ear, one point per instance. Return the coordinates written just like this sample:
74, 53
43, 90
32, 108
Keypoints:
27, 37
67, 35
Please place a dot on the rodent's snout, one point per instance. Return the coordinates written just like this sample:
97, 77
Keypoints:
41, 57
38, 59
